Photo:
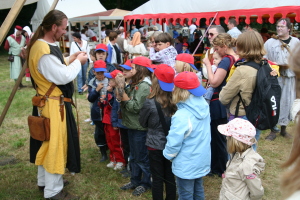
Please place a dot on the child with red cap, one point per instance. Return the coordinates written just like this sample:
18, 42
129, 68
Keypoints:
112, 132
241, 178
96, 89
132, 101
156, 115
188, 141
185, 48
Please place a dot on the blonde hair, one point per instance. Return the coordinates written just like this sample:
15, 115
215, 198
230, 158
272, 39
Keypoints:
179, 94
250, 46
290, 180
224, 39
183, 66
233, 145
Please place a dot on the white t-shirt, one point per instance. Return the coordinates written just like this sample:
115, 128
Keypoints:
90, 33
192, 28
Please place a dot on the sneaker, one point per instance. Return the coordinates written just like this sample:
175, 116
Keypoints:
128, 186
139, 191
271, 136
92, 123
275, 129
119, 166
87, 120
111, 164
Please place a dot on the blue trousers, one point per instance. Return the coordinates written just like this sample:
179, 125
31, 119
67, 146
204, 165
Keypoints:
81, 77
139, 160
190, 189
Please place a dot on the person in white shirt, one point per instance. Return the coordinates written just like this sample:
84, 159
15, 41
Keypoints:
83, 35
192, 28
80, 45
233, 30
136, 48
90, 34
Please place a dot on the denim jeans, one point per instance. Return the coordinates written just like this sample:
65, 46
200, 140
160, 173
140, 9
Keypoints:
139, 160
190, 189
81, 77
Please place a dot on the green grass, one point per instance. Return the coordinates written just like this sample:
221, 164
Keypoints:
96, 181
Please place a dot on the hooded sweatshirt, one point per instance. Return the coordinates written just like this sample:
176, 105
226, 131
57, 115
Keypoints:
188, 142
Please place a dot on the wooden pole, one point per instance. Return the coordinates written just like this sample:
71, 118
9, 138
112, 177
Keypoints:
15, 88
10, 18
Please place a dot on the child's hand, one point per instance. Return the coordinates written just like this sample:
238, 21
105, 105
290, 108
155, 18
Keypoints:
84, 88
115, 128
99, 87
109, 88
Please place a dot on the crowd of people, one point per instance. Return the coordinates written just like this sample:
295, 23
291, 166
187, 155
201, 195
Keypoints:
149, 107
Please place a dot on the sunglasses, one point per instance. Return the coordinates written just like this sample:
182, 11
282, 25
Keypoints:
211, 34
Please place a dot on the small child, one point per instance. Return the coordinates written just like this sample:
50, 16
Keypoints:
96, 89
210, 90
112, 133
241, 178
185, 48
166, 52
188, 141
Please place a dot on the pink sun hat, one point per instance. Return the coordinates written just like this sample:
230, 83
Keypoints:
240, 129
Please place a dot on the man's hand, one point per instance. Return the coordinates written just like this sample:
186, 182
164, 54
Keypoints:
74, 56
82, 57
99, 87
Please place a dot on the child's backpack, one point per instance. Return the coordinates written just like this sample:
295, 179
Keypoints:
263, 111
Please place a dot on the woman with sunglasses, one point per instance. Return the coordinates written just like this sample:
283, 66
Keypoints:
223, 44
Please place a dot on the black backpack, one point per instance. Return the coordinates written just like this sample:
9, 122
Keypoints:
263, 111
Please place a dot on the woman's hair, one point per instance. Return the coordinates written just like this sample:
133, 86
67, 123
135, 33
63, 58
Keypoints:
164, 38
234, 145
224, 39
183, 66
290, 180
162, 97
141, 73
77, 35
112, 35
179, 94
53, 17
250, 46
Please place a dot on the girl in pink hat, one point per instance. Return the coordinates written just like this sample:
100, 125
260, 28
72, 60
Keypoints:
241, 178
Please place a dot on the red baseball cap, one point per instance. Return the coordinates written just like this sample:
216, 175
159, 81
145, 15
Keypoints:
127, 65
189, 81
112, 74
185, 44
185, 57
19, 28
101, 47
143, 61
165, 75
99, 66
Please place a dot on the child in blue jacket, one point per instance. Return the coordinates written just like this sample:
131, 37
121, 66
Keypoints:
188, 142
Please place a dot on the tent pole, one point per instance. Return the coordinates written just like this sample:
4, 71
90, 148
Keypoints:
99, 30
10, 18
53, 5
14, 90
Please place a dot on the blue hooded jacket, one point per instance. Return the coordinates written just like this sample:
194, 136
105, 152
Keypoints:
188, 142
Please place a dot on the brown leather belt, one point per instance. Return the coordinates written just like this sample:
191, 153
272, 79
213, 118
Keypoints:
61, 100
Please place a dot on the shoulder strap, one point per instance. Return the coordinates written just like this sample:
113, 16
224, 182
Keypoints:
283, 45
78, 46
232, 61
50, 90
161, 117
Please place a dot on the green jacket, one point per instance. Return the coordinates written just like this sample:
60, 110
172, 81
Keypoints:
131, 108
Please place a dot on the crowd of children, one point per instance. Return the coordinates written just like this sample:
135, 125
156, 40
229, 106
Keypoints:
148, 115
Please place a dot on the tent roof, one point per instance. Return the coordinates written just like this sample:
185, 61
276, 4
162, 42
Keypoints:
7, 4
178, 9
113, 14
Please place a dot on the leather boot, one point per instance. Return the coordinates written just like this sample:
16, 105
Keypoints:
104, 154
283, 133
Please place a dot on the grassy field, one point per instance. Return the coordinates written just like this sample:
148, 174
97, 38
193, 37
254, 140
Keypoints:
96, 181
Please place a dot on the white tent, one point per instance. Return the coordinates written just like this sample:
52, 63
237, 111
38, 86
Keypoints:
169, 10
72, 8
7, 4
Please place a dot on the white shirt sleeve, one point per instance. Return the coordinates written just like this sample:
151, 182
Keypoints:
56, 72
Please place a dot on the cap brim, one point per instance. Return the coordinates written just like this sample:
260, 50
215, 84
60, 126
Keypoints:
193, 66
223, 129
198, 91
107, 75
100, 50
168, 87
100, 70
150, 69
126, 67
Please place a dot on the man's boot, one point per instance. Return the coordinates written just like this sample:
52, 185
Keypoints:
271, 136
104, 154
283, 132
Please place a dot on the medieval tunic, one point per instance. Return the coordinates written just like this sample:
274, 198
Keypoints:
47, 65
15, 49
286, 80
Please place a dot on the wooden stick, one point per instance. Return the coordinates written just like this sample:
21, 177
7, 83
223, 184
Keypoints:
16, 10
